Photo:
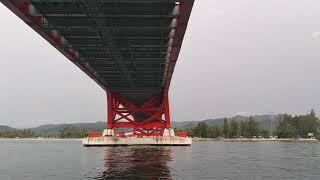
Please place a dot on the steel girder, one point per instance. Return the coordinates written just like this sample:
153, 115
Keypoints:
148, 119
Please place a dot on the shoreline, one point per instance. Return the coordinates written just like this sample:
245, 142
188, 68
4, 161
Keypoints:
257, 139
42, 139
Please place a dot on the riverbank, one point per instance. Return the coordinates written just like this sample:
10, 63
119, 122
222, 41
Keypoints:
257, 139
43, 139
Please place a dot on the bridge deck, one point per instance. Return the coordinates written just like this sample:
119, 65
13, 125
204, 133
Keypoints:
129, 47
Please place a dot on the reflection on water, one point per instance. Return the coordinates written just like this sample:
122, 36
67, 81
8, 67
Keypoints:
137, 163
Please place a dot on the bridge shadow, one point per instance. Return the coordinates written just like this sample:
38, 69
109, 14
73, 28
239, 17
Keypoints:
137, 163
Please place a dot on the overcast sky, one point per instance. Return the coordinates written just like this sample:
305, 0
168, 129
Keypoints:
238, 57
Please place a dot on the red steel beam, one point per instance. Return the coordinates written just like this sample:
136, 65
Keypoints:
144, 126
183, 18
152, 125
21, 9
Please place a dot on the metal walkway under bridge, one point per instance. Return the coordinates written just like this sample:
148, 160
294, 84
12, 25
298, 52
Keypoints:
128, 47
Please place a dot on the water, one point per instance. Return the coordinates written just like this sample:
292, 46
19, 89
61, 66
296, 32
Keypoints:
67, 159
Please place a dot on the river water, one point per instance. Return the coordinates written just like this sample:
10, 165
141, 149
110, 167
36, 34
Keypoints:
67, 159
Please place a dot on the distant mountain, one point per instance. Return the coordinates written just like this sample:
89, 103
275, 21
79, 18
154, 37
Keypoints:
6, 128
54, 129
191, 124
184, 124
267, 122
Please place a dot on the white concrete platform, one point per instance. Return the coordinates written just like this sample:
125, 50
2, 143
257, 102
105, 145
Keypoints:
134, 141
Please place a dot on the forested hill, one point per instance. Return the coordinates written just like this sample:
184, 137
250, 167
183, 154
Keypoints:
266, 122
54, 129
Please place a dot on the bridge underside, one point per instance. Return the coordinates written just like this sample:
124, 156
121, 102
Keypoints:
129, 47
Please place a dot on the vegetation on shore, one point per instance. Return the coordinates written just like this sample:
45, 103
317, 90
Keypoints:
25, 133
229, 129
289, 127
73, 132
298, 126
68, 132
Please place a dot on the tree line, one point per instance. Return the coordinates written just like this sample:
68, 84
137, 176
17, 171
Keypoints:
25, 133
298, 126
68, 132
289, 127
73, 132
229, 129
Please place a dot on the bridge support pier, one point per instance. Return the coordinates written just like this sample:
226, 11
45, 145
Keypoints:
169, 132
108, 132
149, 124
151, 118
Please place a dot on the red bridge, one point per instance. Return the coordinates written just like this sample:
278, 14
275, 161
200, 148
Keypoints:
128, 47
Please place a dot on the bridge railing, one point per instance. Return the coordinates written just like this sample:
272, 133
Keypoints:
92, 134
181, 133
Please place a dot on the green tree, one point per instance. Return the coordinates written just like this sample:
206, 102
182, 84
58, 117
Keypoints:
264, 133
312, 124
233, 128
225, 128
243, 129
215, 131
201, 130
73, 132
190, 132
252, 127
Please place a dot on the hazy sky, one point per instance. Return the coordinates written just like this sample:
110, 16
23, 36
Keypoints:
238, 57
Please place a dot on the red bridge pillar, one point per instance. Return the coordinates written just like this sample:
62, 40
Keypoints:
152, 118
166, 109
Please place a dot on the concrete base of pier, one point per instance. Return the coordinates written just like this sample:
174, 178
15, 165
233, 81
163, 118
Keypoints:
133, 141
108, 132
